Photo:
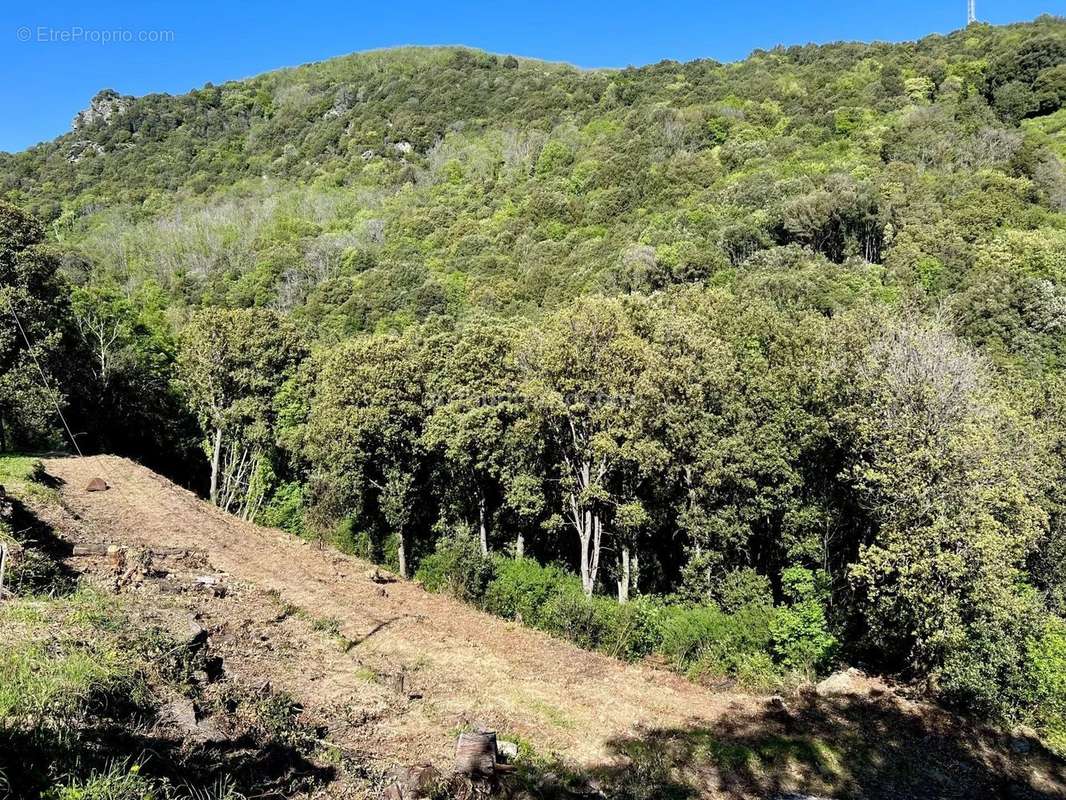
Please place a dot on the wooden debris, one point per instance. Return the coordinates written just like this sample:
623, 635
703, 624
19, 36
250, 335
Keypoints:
475, 754
378, 575
90, 549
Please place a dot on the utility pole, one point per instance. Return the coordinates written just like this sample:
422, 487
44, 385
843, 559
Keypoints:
971, 12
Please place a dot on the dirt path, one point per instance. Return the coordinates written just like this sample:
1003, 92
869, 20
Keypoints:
469, 666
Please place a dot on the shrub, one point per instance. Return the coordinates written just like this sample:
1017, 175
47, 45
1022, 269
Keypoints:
582, 620
800, 631
757, 672
706, 639
743, 587
350, 541
1047, 666
636, 628
458, 568
522, 588
285, 509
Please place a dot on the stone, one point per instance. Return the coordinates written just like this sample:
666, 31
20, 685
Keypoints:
102, 108
97, 485
507, 750
196, 634
849, 682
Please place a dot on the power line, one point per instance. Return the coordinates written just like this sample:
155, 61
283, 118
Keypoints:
44, 378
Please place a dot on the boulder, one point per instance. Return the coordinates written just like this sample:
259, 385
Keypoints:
848, 682
97, 485
196, 634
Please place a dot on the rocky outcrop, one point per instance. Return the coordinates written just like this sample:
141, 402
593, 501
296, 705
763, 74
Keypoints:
102, 108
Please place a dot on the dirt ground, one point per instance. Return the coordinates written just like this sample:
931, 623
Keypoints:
468, 666
309, 621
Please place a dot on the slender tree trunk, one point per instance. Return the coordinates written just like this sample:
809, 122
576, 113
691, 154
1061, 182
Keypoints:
591, 536
216, 460
482, 525
401, 555
624, 574
3, 435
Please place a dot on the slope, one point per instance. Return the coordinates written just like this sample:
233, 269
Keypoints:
638, 731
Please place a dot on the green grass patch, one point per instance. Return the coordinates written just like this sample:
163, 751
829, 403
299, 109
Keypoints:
61, 657
23, 478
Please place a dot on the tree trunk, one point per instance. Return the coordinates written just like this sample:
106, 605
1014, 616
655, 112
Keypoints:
3, 435
483, 529
520, 545
216, 459
401, 555
624, 574
591, 535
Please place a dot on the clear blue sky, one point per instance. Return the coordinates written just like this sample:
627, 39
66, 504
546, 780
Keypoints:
46, 80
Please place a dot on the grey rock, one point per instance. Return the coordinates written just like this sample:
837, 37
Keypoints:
850, 681
102, 108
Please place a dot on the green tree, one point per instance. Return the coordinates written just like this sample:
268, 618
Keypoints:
949, 487
35, 309
479, 422
230, 366
364, 433
593, 379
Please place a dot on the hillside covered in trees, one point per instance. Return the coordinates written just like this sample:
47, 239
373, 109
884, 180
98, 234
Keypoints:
759, 366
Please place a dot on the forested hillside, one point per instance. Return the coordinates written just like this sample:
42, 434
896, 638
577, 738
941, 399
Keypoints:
760, 367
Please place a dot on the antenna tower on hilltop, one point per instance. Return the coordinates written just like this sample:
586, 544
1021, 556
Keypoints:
971, 12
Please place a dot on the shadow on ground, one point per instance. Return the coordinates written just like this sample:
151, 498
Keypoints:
845, 747
32, 761
38, 567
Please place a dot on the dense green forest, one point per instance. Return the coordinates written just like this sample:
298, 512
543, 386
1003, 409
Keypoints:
760, 366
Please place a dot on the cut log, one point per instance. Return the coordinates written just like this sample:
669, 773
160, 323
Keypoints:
89, 549
97, 485
475, 754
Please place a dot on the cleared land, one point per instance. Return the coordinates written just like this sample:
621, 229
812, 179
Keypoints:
310, 622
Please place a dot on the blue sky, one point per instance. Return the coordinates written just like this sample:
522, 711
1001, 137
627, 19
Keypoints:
55, 56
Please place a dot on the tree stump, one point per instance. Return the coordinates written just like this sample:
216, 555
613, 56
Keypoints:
475, 754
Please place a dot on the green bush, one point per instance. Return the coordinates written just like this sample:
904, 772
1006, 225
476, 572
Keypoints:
742, 587
522, 588
458, 568
346, 538
706, 639
285, 509
635, 629
1047, 666
757, 672
571, 615
800, 634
